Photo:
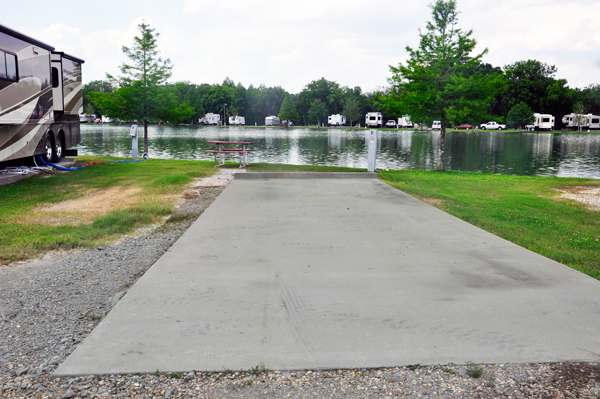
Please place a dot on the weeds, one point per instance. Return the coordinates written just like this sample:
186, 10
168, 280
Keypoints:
447, 370
473, 370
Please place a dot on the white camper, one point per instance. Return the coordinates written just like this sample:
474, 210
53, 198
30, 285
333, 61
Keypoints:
212, 119
237, 120
40, 98
405, 122
436, 125
272, 121
588, 121
374, 119
542, 122
336, 120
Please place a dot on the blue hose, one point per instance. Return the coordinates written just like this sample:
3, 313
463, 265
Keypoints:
136, 160
81, 167
59, 167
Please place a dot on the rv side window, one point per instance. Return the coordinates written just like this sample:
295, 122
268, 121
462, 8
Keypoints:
8, 66
546, 120
54, 77
595, 120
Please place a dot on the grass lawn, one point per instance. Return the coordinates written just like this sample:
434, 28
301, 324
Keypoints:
526, 210
91, 206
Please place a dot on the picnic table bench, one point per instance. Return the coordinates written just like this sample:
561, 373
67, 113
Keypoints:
220, 152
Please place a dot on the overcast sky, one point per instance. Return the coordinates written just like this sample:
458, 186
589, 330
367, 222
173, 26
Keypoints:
289, 43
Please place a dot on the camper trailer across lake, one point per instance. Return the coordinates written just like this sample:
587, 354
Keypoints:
40, 98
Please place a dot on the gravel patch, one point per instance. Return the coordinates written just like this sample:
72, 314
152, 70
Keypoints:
47, 307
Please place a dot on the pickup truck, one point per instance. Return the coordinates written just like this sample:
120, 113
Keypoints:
492, 126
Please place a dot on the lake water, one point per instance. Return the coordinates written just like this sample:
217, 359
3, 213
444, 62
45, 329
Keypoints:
542, 154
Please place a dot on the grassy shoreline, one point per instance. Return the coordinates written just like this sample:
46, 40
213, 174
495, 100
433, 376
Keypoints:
99, 204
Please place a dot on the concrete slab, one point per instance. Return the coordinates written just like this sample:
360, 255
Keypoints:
327, 273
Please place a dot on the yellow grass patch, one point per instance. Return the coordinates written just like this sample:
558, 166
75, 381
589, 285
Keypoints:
85, 209
586, 194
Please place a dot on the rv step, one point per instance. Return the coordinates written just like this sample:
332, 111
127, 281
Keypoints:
70, 153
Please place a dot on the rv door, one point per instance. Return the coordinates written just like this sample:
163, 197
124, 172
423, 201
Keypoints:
57, 83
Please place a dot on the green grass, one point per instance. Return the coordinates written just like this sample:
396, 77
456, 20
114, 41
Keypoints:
526, 210
26, 234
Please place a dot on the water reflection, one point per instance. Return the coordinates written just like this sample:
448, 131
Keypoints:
546, 154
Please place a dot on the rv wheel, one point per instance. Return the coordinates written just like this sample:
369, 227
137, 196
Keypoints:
48, 149
58, 149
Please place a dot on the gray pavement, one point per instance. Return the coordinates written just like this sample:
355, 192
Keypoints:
340, 273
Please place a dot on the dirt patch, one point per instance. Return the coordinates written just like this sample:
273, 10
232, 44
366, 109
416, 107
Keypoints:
85, 209
589, 195
437, 202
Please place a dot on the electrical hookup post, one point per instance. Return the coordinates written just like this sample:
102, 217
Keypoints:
372, 151
134, 141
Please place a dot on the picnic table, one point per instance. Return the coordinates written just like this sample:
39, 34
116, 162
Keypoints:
221, 151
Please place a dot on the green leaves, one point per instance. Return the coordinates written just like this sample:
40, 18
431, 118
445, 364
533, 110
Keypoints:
520, 115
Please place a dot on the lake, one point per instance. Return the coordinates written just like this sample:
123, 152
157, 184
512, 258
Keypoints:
541, 154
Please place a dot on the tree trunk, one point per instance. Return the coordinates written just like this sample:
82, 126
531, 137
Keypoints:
440, 165
145, 137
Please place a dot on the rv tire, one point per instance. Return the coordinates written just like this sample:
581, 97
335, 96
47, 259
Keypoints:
59, 149
48, 154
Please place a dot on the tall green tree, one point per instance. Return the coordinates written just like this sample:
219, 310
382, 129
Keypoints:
352, 110
520, 115
140, 92
441, 80
317, 113
288, 111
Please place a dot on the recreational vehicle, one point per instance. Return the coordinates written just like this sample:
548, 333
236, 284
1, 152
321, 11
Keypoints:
336, 120
542, 122
40, 98
374, 119
237, 120
589, 121
405, 122
272, 121
212, 119
436, 125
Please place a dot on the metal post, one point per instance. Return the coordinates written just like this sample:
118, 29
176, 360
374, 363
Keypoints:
134, 141
372, 151
224, 122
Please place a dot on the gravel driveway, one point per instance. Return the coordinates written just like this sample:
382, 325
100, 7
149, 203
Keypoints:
48, 307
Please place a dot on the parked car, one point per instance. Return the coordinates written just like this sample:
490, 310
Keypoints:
464, 126
390, 123
492, 126
97, 120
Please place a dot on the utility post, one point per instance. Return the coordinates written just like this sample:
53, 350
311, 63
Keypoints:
224, 122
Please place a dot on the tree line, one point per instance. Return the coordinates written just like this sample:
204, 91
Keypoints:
466, 90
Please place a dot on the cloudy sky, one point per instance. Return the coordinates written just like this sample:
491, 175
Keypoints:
289, 43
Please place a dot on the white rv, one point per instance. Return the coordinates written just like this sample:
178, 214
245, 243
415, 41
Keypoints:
272, 121
40, 98
237, 120
212, 119
336, 120
588, 121
405, 122
542, 122
374, 119
436, 125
